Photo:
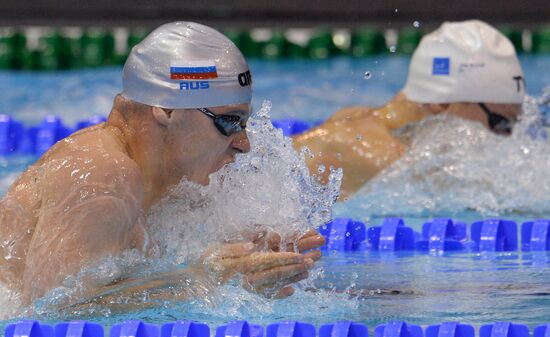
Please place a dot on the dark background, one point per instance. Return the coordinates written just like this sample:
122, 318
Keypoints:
278, 13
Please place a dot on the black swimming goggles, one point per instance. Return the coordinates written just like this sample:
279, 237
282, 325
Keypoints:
497, 123
226, 124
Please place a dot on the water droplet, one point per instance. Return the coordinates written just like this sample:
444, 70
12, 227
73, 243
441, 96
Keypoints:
393, 49
396, 10
368, 75
358, 137
321, 169
416, 24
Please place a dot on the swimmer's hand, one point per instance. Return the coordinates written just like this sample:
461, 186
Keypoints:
271, 241
308, 242
268, 273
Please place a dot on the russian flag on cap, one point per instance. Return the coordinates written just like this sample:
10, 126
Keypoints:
192, 70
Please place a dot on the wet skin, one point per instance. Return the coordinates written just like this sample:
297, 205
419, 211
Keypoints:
87, 199
360, 141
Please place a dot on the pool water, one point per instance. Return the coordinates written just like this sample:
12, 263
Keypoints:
368, 287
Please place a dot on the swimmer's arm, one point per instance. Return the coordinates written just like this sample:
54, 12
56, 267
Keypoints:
264, 272
16, 224
83, 224
361, 148
128, 294
261, 271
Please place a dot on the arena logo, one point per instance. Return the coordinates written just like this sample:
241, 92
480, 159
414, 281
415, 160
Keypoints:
194, 85
245, 78
519, 81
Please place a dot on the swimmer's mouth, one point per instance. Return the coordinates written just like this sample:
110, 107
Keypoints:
229, 160
224, 163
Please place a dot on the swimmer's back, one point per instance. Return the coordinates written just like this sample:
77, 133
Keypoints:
359, 140
362, 147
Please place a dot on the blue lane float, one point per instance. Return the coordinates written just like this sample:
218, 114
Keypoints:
504, 329
535, 235
32, 328
29, 328
344, 329
443, 234
344, 234
50, 132
185, 329
239, 329
134, 329
450, 329
10, 133
398, 329
291, 126
290, 329
78, 329
440, 234
90, 122
16, 138
393, 235
542, 331
495, 235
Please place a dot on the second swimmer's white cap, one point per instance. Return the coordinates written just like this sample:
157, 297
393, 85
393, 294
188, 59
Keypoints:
466, 61
183, 65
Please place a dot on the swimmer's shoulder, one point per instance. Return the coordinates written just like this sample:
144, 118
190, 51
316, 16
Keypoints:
350, 113
95, 157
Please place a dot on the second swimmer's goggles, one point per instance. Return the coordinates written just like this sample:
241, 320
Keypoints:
497, 123
226, 124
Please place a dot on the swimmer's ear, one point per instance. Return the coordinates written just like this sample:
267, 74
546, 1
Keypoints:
162, 116
437, 108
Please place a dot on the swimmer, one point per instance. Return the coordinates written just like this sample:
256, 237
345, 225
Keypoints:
182, 114
466, 69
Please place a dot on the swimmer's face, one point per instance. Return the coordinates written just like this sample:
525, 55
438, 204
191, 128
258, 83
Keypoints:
475, 112
195, 148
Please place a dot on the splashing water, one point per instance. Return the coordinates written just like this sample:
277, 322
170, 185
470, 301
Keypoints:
454, 165
270, 186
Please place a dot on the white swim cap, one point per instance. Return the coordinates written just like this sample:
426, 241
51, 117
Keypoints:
186, 65
466, 61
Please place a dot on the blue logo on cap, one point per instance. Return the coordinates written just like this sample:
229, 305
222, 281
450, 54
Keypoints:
441, 66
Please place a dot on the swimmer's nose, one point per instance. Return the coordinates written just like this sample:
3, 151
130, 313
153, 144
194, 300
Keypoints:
241, 142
